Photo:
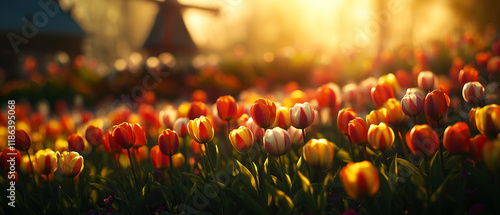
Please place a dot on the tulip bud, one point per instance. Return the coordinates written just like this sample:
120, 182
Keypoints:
140, 135
142, 153
282, 118
123, 135
416, 91
242, 120
476, 146
196, 110
390, 80
301, 115
319, 153
23, 140
167, 116
94, 135
488, 120
472, 117
9, 153
345, 115
161, 161
381, 136
457, 138
196, 148
422, 140
201, 130
436, 105
395, 115
468, 74
45, 161
358, 131
277, 141
25, 165
69, 164
376, 116
380, 94
257, 131
360, 179
491, 155
180, 126
226, 107
427, 81
296, 135
412, 105
76, 143
263, 112
326, 97
242, 139
168, 141
109, 146
472, 92
493, 65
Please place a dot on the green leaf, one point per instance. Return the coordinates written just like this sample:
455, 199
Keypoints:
308, 191
241, 198
407, 169
101, 187
283, 202
192, 177
147, 187
436, 173
213, 198
247, 178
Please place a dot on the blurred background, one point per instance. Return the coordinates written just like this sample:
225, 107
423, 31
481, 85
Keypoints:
103, 48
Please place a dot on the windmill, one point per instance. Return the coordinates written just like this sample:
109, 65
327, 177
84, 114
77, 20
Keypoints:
169, 32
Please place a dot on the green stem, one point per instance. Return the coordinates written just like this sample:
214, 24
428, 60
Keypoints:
427, 166
133, 170
364, 152
209, 161
171, 171
304, 136
440, 150
252, 169
32, 173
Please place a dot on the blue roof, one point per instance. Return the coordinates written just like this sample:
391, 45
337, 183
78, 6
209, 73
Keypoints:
13, 12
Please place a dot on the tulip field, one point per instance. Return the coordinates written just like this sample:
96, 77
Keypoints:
424, 141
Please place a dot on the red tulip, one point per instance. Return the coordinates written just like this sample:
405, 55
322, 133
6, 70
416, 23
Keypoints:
263, 112
23, 140
180, 126
76, 143
277, 141
196, 110
422, 140
457, 138
94, 135
140, 135
226, 107
412, 105
472, 117
168, 141
161, 161
380, 94
358, 131
10, 159
427, 81
468, 74
496, 47
345, 115
123, 135
436, 105
472, 92
301, 115
110, 147
493, 65
476, 146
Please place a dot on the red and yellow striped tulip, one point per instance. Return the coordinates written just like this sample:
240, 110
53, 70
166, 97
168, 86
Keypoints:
319, 153
226, 107
468, 74
491, 155
417, 91
358, 131
76, 143
277, 141
140, 135
25, 165
161, 161
380, 94
422, 140
376, 116
123, 135
472, 117
282, 118
296, 135
23, 140
395, 115
473, 92
381, 136
201, 130
263, 112
167, 116
242, 120
412, 105
94, 135
488, 120
344, 116
168, 141
427, 81
436, 105
69, 164
241, 139
457, 138
196, 110
45, 161
180, 126
360, 179
302, 115
476, 146
390, 79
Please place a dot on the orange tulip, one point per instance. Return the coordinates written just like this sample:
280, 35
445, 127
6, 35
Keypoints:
69, 164
436, 105
23, 140
263, 112
473, 92
476, 146
140, 135
109, 146
282, 118
326, 97
381, 136
457, 138
168, 141
493, 65
358, 131
491, 155
180, 126
94, 135
76, 143
123, 135
360, 179
301, 115
226, 107
319, 153
197, 148
45, 161
468, 74
390, 80
8, 154
277, 141
380, 94
427, 81
201, 130
422, 140
161, 161
242, 139
196, 110
345, 115
376, 116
